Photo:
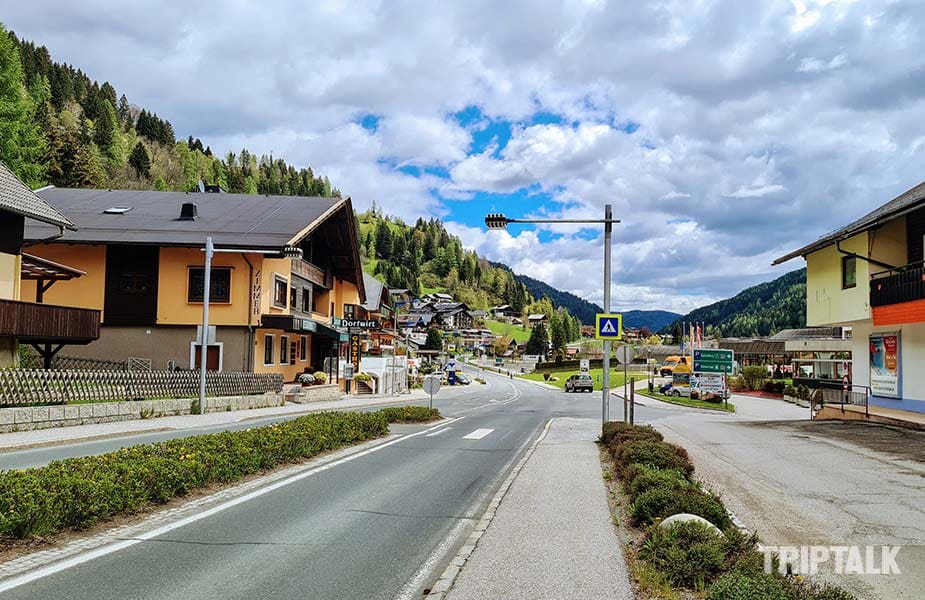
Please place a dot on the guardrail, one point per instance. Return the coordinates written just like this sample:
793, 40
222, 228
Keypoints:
855, 395
39, 387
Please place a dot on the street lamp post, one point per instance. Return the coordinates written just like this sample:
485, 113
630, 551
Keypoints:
210, 250
499, 221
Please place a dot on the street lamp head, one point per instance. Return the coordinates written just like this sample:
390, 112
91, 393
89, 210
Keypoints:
496, 221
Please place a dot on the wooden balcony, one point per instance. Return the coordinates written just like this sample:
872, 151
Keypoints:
897, 296
307, 270
46, 323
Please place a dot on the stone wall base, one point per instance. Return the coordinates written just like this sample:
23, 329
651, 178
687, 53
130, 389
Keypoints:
44, 417
315, 393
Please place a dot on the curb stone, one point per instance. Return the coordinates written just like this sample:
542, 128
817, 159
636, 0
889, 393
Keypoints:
445, 583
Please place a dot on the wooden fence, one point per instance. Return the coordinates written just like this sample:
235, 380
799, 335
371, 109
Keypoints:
31, 387
62, 362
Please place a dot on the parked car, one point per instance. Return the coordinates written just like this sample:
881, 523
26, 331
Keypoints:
462, 379
579, 383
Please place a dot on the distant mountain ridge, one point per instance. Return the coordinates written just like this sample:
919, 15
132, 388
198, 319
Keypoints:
760, 310
586, 311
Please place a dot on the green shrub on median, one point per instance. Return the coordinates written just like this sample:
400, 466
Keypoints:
79, 492
410, 414
689, 553
661, 502
652, 453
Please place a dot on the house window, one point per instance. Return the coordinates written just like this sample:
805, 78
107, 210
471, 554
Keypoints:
283, 350
280, 291
293, 351
293, 297
331, 314
350, 311
849, 272
303, 348
306, 300
219, 284
268, 349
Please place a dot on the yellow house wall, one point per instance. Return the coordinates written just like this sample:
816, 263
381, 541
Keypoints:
826, 302
269, 268
87, 291
9, 276
173, 282
288, 371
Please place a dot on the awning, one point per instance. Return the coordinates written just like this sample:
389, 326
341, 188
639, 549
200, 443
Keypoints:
45, 273
295, 324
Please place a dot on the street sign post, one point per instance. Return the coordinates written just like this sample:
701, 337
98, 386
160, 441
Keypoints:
624, 357
585, 365
431, 386
713, 360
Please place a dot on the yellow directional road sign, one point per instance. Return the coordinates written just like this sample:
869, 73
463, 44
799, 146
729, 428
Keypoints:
609, 326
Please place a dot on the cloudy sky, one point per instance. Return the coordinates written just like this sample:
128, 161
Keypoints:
724, 132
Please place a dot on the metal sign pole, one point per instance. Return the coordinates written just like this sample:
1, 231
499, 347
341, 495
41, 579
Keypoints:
608, 230
204, 338
632, 401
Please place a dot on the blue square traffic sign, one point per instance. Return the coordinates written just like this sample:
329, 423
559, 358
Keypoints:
609, 326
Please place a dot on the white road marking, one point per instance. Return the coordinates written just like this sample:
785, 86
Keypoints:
25, 578
477, 434
438, 432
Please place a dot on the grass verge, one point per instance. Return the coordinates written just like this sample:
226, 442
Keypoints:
683, 401
650, 480
616, 377
77, 493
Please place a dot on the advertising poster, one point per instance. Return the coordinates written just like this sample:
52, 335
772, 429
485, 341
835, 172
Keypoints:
885, 376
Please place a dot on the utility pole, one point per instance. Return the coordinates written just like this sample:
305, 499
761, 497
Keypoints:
608, 232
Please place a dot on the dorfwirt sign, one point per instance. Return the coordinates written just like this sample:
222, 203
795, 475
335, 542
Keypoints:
355, 323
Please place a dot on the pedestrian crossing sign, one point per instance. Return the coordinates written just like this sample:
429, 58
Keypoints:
609, 326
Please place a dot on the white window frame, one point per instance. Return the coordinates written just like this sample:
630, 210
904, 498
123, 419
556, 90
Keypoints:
283, 356
272, 338
192, 354
278, 277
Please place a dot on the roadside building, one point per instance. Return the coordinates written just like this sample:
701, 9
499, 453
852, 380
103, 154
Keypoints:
504, 311
537, 319
142, 254
870, 276
378, 308
44, 326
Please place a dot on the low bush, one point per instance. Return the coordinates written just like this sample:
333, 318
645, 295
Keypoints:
652, 453
79, 492
618, 432
644, 478
773, 387
664, 501
791, 391
410, 414
690, 554
754, 375
739, 585
735, 383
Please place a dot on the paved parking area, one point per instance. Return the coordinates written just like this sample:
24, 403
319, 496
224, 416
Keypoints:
801, 482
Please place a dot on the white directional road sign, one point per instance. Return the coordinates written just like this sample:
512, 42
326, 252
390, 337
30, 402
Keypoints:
585, 365
609, 326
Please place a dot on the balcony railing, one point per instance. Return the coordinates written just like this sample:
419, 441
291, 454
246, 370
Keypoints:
903, 284
48, 323
305, 269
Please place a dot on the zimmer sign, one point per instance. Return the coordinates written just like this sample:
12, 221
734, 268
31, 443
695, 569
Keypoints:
885, 375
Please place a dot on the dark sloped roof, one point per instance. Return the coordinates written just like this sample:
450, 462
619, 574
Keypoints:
233, 220
753, 346
17, 198
905, 202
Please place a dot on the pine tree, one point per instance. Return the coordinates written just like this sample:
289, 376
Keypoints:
140, 160
539, 341
434, 339
383, 240
124, 111
88, 168
21, 142
105, 128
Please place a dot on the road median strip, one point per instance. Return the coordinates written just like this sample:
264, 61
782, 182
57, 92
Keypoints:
77, 493
649, 481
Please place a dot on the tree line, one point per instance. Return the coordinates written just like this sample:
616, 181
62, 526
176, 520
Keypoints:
58, 126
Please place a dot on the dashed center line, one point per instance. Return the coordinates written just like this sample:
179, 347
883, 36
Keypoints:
477, 434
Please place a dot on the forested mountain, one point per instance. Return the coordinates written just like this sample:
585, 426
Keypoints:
655, 320
581, 308
58, 126
760, 310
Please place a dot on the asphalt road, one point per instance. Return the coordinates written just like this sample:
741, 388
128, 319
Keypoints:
380, 526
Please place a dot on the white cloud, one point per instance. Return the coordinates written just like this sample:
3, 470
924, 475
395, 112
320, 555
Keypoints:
760, 124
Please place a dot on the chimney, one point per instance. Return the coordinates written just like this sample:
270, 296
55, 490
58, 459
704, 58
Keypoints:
188, 212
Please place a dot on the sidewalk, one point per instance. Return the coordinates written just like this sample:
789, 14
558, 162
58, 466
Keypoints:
552, 535
61, 435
